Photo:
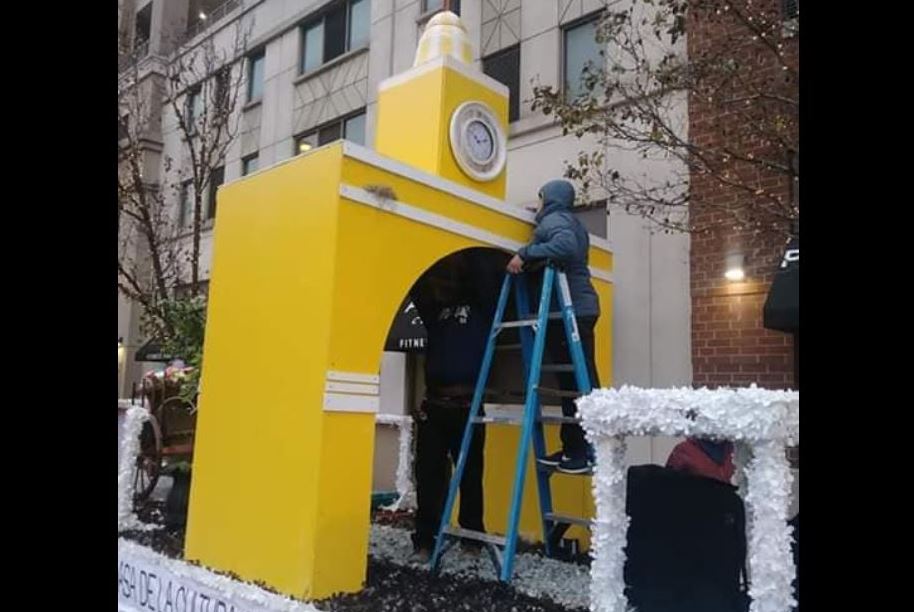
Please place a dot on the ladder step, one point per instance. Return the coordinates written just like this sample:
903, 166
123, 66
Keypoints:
469, 534
557, 367
574, 520
555, 419
558, 392
499, 420
508, 347
518, 420
518, 323
526, 322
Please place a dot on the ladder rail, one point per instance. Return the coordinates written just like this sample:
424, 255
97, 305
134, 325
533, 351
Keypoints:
478, 393
582, 376
543, 490
531, 403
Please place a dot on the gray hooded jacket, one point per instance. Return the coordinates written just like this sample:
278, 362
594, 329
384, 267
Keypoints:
559, 236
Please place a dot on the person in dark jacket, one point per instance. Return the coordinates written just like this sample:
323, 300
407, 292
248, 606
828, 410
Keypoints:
456, 306
561, 238
707, 458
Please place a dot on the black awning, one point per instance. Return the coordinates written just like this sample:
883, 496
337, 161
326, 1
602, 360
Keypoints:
782, 307
407, 334
152, 351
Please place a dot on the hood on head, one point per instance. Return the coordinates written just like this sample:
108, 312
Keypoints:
557, 195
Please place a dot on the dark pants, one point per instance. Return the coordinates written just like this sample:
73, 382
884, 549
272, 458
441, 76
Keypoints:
440, 427
574, 444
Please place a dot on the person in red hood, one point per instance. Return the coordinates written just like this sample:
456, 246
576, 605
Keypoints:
703, 458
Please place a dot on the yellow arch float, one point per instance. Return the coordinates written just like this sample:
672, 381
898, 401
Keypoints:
312, 258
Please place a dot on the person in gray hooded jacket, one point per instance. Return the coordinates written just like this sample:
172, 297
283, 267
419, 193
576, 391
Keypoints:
561, 237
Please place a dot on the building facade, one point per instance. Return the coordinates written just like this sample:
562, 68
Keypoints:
311, 75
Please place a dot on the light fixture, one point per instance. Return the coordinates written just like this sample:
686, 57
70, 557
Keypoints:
734, 270
202, 16
304, 146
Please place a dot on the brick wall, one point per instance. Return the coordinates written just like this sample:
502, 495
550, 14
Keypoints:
729, 344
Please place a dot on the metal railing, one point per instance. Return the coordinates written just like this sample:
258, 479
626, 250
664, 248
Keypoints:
198, 25
140, 50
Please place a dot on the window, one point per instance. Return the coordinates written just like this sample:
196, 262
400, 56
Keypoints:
359, 23
222, 83
250, 164
790, 15
438, 5
123, 127
504, 67
193, 110
790, 9
312, 56
255, 76
581, 50
143, 29
305, 143
593, 217
346, 26
216, 178
185, 206
352, 128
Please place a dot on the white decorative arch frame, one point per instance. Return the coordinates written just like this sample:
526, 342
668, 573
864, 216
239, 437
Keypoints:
760, 421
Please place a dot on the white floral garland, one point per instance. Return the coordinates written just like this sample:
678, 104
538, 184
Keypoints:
765, 421
136, 415
406, 499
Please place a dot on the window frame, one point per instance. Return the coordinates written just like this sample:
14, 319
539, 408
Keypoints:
320, 19
261, 55
315, 131
593, 17
246, 160
453, 9
210, 212
513, 100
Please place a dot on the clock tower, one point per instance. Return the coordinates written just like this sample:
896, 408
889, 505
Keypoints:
443, 115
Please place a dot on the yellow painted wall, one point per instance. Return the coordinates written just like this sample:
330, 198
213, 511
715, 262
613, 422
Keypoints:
258, 443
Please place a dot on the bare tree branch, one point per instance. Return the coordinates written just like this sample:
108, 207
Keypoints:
736, 72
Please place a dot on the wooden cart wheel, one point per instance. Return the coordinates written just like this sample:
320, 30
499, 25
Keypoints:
148, 460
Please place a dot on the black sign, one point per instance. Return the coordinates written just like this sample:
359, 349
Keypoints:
782, 307
407, 333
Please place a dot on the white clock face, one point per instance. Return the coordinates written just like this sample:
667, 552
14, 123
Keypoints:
478, 141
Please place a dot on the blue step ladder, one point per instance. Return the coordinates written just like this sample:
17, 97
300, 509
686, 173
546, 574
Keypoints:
533, 343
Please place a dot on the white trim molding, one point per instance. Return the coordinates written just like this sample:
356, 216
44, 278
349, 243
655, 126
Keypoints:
446, 61
373, 158
415, 213
352, 392
356, 377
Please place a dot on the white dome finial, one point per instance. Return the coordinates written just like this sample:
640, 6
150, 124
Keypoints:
445, 34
